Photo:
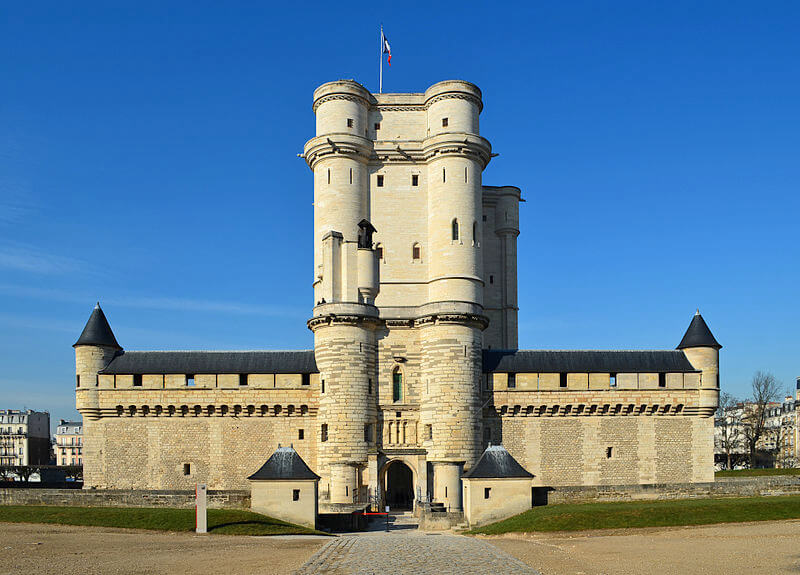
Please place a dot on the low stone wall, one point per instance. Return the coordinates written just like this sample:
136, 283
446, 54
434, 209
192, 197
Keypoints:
121, 498
722, 487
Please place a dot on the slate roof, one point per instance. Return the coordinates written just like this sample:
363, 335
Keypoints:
97, 331
285, 463
497, 462
698, 334
193, 362
555, 361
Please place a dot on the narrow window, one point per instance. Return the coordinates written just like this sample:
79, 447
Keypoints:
455, 230
512, 380
347, 490
301, 434
323, 386
491, 279
323, 435
349, 122
445, 490
612, 380
428, 431
137, 380
306, 379
190, 380
351, 175
242, 379
379, 251
397, 384
444, 122
187, 469
415, 180
609, 452
474, 233
377, 126
329, 175
369, 386
465, 174
380, 180
484, 218
662, 380
367, 432
295, 495
486, 492
444, 175
562, 381
415, 252
77, 380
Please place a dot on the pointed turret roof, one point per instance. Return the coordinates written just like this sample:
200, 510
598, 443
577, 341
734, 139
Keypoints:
698, 334
97, 331
285, 463
497, 462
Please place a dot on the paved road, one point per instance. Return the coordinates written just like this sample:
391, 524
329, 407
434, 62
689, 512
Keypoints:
418, 554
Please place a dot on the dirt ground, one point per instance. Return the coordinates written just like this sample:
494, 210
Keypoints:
67, 550
769, 547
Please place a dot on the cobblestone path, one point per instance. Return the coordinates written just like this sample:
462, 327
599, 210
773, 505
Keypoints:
435, 554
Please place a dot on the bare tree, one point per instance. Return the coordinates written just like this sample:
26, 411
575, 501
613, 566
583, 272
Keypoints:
728, 422
765, 390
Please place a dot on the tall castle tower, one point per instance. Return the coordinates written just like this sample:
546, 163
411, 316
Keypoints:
399, 283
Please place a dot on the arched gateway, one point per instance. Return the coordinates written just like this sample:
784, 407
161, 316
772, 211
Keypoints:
398, 485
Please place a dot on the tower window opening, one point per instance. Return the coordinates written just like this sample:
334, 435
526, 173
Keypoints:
137, 380
377, 126
379, 251
487, 491
351, 175
295, 495
242, 379
444, 175
415, 252
380, 180
322, 382
415, 180
329, 175
367, 432
474, 233
397, 385
444, 122
369, 386
609, 452
323, 432
484, 218
190, 381
77, 380
301, 434
350, 122
662, 380
187, 469
562, 380
455, 230
466, 178
612, 380
491, 279
428, 431
512, 381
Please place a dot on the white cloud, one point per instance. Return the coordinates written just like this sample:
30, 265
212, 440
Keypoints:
29, 259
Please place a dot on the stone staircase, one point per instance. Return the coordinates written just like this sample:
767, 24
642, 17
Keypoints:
403, 520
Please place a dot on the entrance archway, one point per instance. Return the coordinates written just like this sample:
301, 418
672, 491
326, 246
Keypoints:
398, 486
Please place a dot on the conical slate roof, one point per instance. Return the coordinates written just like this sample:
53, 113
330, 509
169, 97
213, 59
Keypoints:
285, 463
97, 331
497, 463
698, 334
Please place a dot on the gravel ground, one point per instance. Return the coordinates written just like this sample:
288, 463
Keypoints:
67, 550
768, 548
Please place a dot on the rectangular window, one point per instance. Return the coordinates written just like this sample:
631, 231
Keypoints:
662, 380
512, 380
301, 434
415, 252
487, 492
444, 122
609, 452
428, 432
612, 380
397, 385
305, 379
190, 381
562, 380
367, 432
350, 122
351, 175
137, 380
491, 279
77, 381
484, 218
380, 180
323, 434
444, 175
414, 180
323, 386
242, 379
329, 175
187, 469
377, 126
295, 495
369, 386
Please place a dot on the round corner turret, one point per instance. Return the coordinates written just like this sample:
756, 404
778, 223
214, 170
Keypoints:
453, 106
341, 108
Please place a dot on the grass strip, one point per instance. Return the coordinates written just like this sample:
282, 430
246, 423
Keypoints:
578, 517
757, 472
220, 521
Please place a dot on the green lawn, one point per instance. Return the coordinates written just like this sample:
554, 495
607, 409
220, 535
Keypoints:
757, 472
576, 517
220, 521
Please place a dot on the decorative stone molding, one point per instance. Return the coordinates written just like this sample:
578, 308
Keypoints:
331, 97
455, 96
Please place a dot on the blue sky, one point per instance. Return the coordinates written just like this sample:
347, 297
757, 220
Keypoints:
148, 160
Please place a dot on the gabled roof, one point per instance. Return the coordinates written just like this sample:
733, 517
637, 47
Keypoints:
497, 463
593, 361
193, 362
698, 334
285, 463
97, 331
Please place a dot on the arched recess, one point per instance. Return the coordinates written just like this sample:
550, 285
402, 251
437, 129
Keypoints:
398, 479
398, 385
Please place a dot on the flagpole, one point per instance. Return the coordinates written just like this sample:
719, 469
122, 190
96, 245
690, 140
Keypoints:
380, 55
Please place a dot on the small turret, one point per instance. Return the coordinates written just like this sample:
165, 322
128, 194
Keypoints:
702, 351
95, 348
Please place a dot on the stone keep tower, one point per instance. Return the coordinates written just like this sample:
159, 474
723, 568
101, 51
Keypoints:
410, 165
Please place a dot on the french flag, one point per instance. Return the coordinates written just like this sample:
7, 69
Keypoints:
386, 48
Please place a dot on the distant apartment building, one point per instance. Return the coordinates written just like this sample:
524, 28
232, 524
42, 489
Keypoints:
24, 437
69, 443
